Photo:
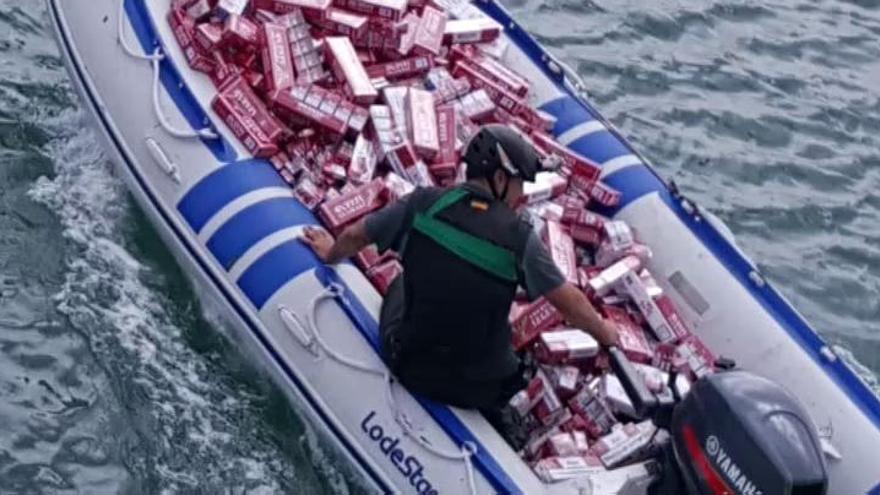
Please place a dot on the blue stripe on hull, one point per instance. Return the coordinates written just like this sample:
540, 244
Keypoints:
599, 146
254, 223
568, 113
223, 186
274, 269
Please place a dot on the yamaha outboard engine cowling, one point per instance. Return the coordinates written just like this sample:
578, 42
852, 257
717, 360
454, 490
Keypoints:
737, 433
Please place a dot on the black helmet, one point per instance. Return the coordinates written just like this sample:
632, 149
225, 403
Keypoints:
499, 147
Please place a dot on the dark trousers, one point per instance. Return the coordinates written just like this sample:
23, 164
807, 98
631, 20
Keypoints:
489, 397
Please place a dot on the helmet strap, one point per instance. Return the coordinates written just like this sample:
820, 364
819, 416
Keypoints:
503, 195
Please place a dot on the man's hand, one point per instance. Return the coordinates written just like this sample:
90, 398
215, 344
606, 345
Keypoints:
577, 310
320, 241
350, 241
609, 335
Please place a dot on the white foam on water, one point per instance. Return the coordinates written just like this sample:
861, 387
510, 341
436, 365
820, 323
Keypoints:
196, 430
865, 373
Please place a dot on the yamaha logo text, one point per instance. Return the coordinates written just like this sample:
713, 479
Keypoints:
731, 470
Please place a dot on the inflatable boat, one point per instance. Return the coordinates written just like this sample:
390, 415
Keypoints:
233, 225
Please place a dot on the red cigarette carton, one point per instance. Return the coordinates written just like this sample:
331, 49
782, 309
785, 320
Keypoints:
422, 122
565, 380
288, 6
561, 444
672, 316
606, 280
474, 30
208, 35
592, 409
242, 96
410, 24
182, 26
523, 401
277, 63
341, 21
396, 70
604, 195
429, 33
632, 284
632, 342
561, 248
616, 397
199, 9
581, 216
547, 185
476, 105
556, 469
695, 359
566, 346
383, 275
245, 128
367, 258
623, 443
347, 67
495, 72
288, 107
586, 236
337, 214
363, 163
538, 317
398, 187
389, 9
503, 98
231, 7
446, 135
239, 33
583, 170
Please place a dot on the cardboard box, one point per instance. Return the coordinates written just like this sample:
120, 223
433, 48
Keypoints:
624, 443
556, 469
429, 33
536, 318
566, 346
277, 62
474, 30
347, 67
634, 287
422, 122
561, 247
341, 212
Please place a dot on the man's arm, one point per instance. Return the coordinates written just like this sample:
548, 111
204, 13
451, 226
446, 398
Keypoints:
350, 242
384, 227
577, 310
542, 277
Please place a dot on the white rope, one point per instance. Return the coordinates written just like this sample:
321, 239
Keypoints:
467, 449
121, 38
205, 132
155, 59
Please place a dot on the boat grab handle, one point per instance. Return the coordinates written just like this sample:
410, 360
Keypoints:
297, 328
163, 160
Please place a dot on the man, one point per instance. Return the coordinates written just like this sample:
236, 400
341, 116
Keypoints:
445, 330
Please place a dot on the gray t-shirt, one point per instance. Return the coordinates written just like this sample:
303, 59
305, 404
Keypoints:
389, 227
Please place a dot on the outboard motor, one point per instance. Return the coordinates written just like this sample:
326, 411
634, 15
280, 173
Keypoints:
735, 433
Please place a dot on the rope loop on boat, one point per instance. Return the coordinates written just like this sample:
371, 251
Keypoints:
155, 59
466, 450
